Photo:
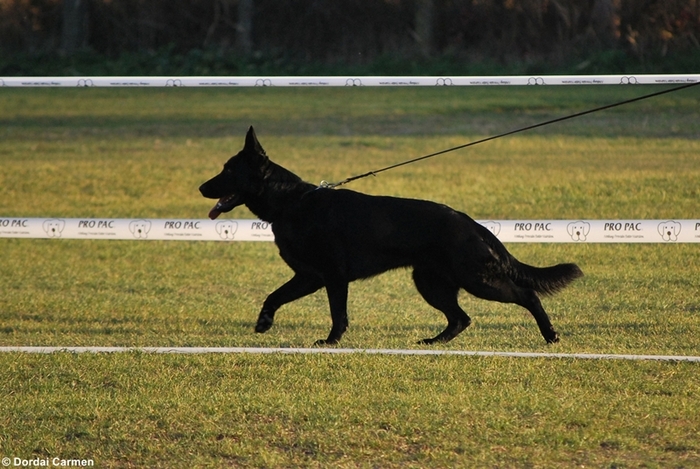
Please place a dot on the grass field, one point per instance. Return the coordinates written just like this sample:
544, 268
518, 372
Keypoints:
143, 153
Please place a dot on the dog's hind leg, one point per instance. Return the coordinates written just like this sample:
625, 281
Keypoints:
534, 305
441, 294
505, 291
337, 291
297, 287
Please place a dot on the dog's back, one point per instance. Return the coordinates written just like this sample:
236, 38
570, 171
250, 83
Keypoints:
359, 235
371, 233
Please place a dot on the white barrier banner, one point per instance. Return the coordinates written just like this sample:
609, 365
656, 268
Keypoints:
334, 81
136, 229
596, 231
511, 231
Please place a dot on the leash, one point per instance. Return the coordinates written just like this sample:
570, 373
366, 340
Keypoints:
333, 185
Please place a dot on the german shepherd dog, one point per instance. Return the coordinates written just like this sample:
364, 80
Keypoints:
332, 237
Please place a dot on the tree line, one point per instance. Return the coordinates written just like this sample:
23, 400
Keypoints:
353, 31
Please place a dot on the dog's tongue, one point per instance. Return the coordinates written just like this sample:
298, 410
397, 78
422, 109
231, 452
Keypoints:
216, 211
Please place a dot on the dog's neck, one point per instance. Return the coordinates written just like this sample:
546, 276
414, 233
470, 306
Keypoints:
280, 190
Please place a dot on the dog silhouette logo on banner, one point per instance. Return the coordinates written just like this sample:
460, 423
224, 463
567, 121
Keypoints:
226, 229
669, 230
493, 226
140, 228
578, 230
54, 227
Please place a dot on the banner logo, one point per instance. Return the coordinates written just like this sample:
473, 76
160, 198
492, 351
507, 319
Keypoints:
535, 81
493, 226
226, 229
578, 230
669, 230
140, 228
53, 227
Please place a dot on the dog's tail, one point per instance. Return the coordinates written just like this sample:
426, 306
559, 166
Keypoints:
545, 280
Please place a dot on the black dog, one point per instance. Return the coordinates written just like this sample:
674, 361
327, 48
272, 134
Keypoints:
331, 237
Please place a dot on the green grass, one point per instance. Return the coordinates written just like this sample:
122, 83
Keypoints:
136, 410
143, 153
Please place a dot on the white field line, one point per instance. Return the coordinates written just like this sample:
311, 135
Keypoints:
337, 351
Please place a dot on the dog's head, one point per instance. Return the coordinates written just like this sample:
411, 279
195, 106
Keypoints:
241, 178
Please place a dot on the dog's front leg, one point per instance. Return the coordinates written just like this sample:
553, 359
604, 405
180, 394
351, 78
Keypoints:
297, 287
338, 300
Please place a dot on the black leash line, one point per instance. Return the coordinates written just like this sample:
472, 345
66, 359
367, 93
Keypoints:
331, 185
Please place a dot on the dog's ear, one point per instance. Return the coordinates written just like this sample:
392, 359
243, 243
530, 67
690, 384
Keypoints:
251, 142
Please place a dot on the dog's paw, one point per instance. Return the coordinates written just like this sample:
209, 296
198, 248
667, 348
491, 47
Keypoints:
325, 342
264, 323
552, 339
426, 341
